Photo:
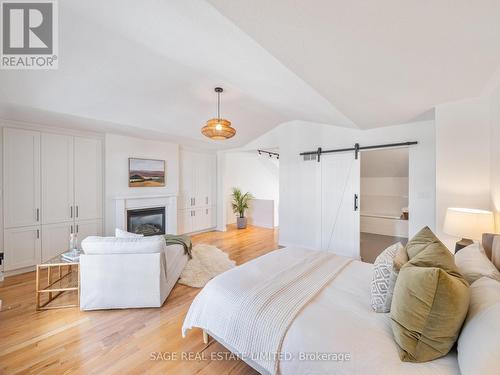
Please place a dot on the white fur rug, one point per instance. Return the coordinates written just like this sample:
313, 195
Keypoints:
207, 262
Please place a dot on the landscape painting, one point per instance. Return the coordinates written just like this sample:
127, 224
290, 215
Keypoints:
146, 173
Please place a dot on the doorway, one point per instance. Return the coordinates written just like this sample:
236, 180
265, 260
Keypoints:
383, 200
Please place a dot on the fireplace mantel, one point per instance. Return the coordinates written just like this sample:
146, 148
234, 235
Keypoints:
123, 204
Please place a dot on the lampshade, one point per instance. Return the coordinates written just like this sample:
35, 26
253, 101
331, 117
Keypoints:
468, 223
218, 128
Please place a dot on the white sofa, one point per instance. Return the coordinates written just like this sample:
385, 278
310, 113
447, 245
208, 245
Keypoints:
119, 273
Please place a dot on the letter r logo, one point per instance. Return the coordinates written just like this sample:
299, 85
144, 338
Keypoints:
27, 28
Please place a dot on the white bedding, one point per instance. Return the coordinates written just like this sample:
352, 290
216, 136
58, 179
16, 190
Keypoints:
338, 320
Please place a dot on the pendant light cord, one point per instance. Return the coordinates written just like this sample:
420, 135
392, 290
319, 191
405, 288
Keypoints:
218, 106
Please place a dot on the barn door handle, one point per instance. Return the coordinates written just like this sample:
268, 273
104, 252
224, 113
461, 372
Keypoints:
356, 202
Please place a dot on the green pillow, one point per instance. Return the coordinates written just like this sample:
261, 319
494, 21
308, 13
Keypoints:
430, 301
425, 239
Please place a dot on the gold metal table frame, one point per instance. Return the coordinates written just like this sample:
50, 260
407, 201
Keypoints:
65, 281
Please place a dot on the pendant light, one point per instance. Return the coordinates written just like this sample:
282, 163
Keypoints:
218, 128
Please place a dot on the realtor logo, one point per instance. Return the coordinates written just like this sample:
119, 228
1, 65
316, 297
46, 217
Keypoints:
29, 35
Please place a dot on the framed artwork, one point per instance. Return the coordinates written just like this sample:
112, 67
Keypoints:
146, 172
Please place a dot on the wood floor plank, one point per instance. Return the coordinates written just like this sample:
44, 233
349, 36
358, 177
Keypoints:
69, 341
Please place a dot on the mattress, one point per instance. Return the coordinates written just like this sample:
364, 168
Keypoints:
338, 332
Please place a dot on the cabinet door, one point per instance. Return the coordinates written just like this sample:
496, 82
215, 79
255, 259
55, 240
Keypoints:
88, 228
186, 185
88, 178
55, 239
21, 177
199, 220
205, 171
211, 180
185, 221
57, 178
22, 247
207, 218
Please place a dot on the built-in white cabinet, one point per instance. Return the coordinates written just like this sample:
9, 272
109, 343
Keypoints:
57, 178
55, 239
21, 176
53, 186
85, 228
88, 178
198, 173
22, 247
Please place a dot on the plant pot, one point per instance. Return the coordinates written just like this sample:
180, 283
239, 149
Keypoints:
241, 222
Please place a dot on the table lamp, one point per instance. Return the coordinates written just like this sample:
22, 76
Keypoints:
467, 223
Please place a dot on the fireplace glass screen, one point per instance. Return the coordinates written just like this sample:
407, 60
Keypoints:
149, 222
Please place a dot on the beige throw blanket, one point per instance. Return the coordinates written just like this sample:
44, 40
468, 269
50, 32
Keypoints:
254, 319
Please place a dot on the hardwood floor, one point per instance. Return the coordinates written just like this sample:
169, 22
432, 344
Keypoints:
132, 341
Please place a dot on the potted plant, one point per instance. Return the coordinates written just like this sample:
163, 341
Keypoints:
240, 204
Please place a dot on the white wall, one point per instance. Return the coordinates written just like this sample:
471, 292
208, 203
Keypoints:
462, 158
250, 172
495, 153
383, 195
299, 192
117, 151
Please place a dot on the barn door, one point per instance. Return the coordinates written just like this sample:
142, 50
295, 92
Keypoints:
340, 176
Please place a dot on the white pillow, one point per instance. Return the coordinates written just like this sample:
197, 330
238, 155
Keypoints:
384, 279
473, 264
114, 245
479, 342
124, 234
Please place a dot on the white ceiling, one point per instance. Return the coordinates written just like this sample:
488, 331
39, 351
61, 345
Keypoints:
153, 65
149, 67
391, 162
379, 62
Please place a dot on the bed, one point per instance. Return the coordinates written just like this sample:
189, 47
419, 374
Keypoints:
334, 332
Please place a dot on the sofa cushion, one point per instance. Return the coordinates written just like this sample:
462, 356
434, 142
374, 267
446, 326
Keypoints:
114, 245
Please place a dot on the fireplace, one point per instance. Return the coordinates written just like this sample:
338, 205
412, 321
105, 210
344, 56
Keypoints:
146, 221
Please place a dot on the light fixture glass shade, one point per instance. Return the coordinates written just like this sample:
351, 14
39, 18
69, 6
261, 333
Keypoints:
468, 223
218, 129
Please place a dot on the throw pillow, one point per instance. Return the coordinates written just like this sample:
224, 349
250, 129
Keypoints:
422, 240
429, 304
384, 279
119, 233
479, 343
400, 259
474, 264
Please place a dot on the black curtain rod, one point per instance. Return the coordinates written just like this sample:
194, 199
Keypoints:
356, 148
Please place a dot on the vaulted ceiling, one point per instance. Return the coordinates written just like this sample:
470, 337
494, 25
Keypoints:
381, 62
149, 67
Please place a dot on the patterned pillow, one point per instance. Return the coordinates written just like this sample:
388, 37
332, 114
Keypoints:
384, 279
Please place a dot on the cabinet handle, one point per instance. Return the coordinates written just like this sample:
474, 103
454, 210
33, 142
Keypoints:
71, 229
194, 201
76, 211
38, 234
37, 214
207, 211
76, 228
71, 212
206, 200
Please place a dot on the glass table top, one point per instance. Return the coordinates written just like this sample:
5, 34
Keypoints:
61, 260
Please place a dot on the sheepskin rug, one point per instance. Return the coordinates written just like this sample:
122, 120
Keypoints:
207, 262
